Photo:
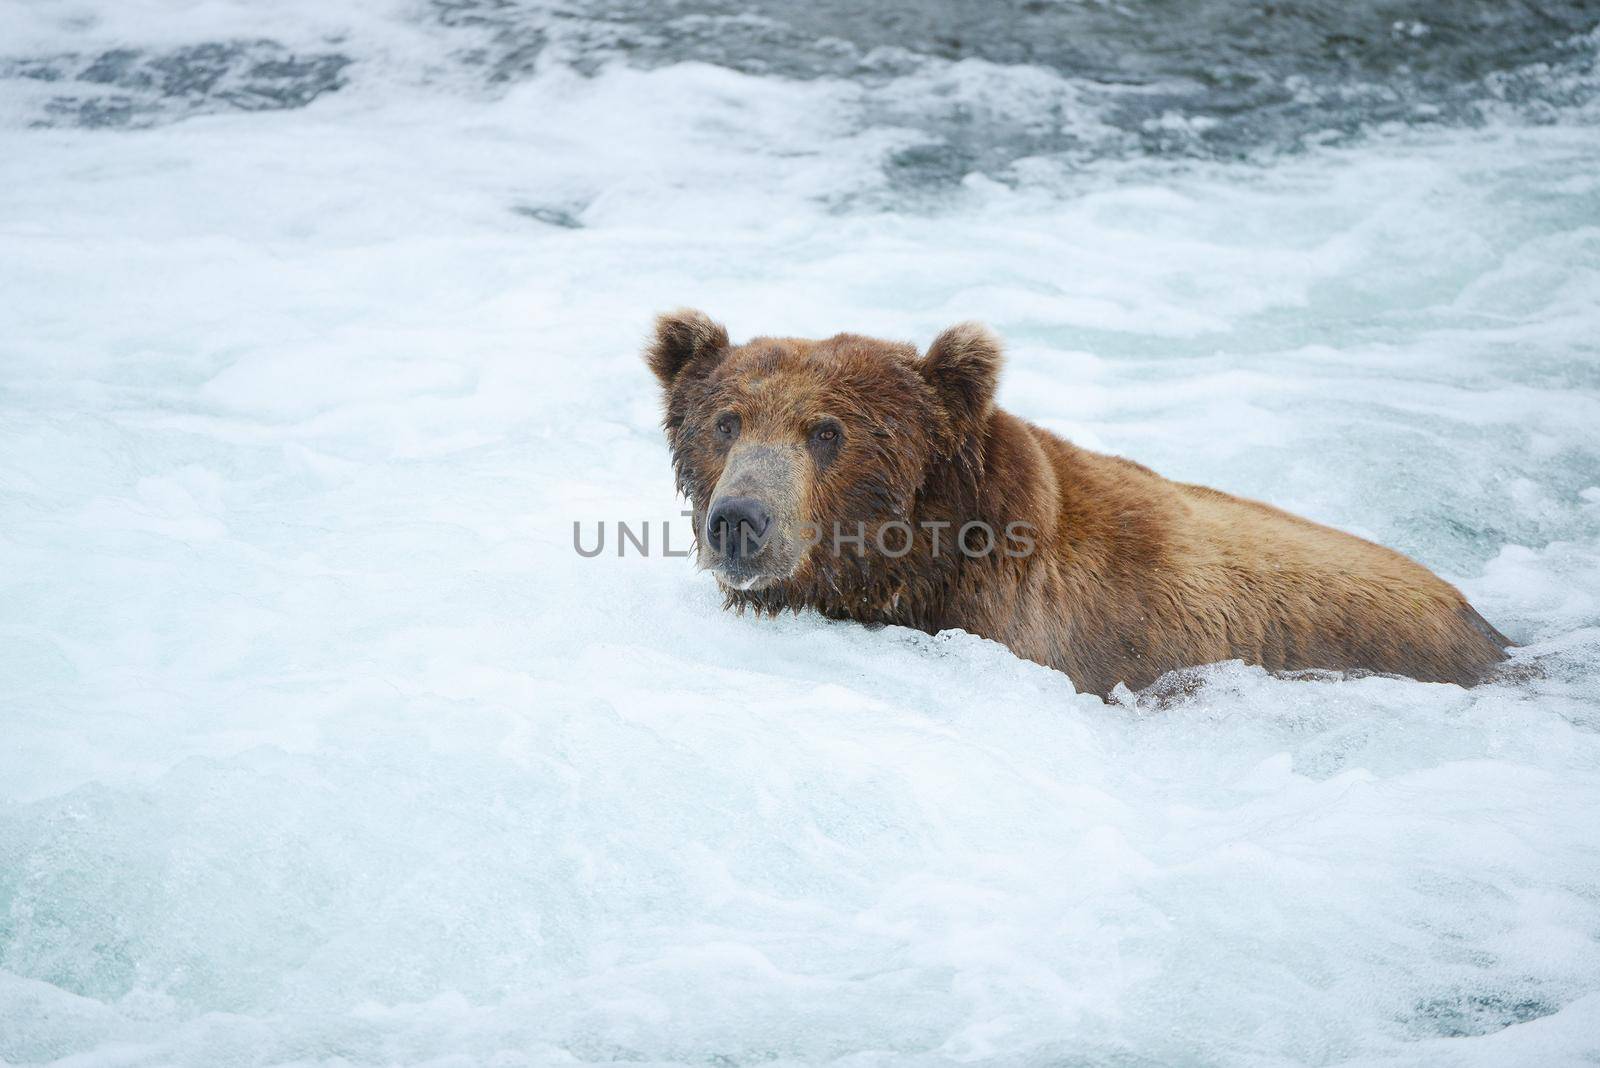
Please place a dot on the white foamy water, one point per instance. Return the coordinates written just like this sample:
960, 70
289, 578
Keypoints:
320, 744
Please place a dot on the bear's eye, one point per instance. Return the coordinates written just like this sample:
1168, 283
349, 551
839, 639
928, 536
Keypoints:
727, 426
825, 438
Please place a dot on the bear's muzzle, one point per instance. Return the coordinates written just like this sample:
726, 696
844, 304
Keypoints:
751, 533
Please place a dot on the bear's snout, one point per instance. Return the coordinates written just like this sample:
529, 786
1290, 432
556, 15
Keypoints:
750, 534
737, 526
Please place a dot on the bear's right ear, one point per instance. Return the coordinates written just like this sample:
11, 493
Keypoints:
963, 367
681, 338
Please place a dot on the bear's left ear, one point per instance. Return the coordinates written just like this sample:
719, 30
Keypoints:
963, 367
681, 338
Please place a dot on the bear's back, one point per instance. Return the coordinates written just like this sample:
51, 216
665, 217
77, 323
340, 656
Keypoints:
1185, 574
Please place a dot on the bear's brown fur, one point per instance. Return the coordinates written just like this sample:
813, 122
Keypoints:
1130, 575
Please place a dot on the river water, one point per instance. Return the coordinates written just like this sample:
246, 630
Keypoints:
319, 330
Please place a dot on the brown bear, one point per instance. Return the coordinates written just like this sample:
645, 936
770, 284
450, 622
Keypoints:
855, 477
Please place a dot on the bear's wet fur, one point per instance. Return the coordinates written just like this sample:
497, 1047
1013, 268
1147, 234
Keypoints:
1130, 575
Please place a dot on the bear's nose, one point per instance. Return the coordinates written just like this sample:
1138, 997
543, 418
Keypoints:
736, 526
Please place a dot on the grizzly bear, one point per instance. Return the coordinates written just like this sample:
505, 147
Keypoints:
855, 477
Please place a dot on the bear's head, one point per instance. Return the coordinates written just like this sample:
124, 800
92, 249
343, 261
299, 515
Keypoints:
784, 446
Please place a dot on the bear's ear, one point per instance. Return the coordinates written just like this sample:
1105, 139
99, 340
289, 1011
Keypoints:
963, 367
682, 337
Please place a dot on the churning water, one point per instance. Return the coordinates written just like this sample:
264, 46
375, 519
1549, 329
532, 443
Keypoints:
319, 744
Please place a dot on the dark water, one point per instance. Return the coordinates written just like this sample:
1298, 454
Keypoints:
1162, 78
134, 87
